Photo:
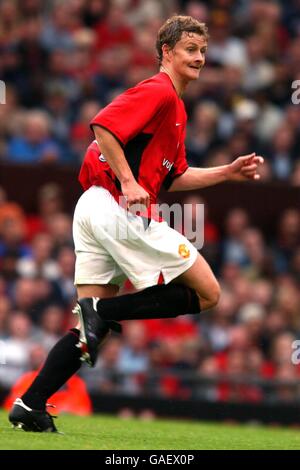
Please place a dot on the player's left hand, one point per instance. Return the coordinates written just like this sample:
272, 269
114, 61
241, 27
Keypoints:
245, 168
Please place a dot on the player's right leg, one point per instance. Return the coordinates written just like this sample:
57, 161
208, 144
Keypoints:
93, 329
29, 412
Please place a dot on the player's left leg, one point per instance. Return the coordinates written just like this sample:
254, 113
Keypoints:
195, 290
201, 279
142, 255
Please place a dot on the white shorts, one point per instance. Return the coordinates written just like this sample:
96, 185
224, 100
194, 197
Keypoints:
111, 244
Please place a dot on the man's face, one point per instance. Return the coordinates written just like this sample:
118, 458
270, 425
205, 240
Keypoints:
188, 56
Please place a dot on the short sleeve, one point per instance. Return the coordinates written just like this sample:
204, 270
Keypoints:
133, 110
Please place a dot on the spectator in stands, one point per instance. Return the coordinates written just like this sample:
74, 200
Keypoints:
65, 279
252, 316
133, 359
235, 224
50, 201
12, 237
281, 349
283, 152
287, 390
9, 22
34, 144
216, 329
80, 132
287, 238
255, 264
60, 229
203, 132
16, 348
114, 30
51, 326
5, 309
40, 261
107, 376
73, 398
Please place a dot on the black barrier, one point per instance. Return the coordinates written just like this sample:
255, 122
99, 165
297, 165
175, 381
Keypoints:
113, 403
281, 414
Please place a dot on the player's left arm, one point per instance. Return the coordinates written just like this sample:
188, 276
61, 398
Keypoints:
243, 168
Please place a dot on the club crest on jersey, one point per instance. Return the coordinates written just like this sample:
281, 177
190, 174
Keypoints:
183, 251
167, 164
102, 158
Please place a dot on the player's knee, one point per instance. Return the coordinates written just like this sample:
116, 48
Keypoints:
214, 295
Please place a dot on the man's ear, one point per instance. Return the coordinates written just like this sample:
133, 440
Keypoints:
166, 50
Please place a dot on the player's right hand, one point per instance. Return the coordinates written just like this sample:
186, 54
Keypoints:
135, 194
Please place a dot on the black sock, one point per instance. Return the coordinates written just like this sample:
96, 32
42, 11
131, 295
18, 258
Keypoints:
62, 362
163, 301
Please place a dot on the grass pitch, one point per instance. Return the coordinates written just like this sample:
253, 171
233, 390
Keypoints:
111, 433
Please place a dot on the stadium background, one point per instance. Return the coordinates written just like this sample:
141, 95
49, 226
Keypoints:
61, 61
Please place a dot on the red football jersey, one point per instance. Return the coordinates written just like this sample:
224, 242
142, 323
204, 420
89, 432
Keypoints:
149, 121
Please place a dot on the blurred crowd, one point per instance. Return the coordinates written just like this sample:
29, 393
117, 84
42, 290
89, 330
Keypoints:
62, 60
231, 353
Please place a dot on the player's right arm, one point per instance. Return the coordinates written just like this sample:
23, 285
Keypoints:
123, 119
115, 157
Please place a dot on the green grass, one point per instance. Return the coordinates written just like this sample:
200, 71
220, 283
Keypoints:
111, 433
